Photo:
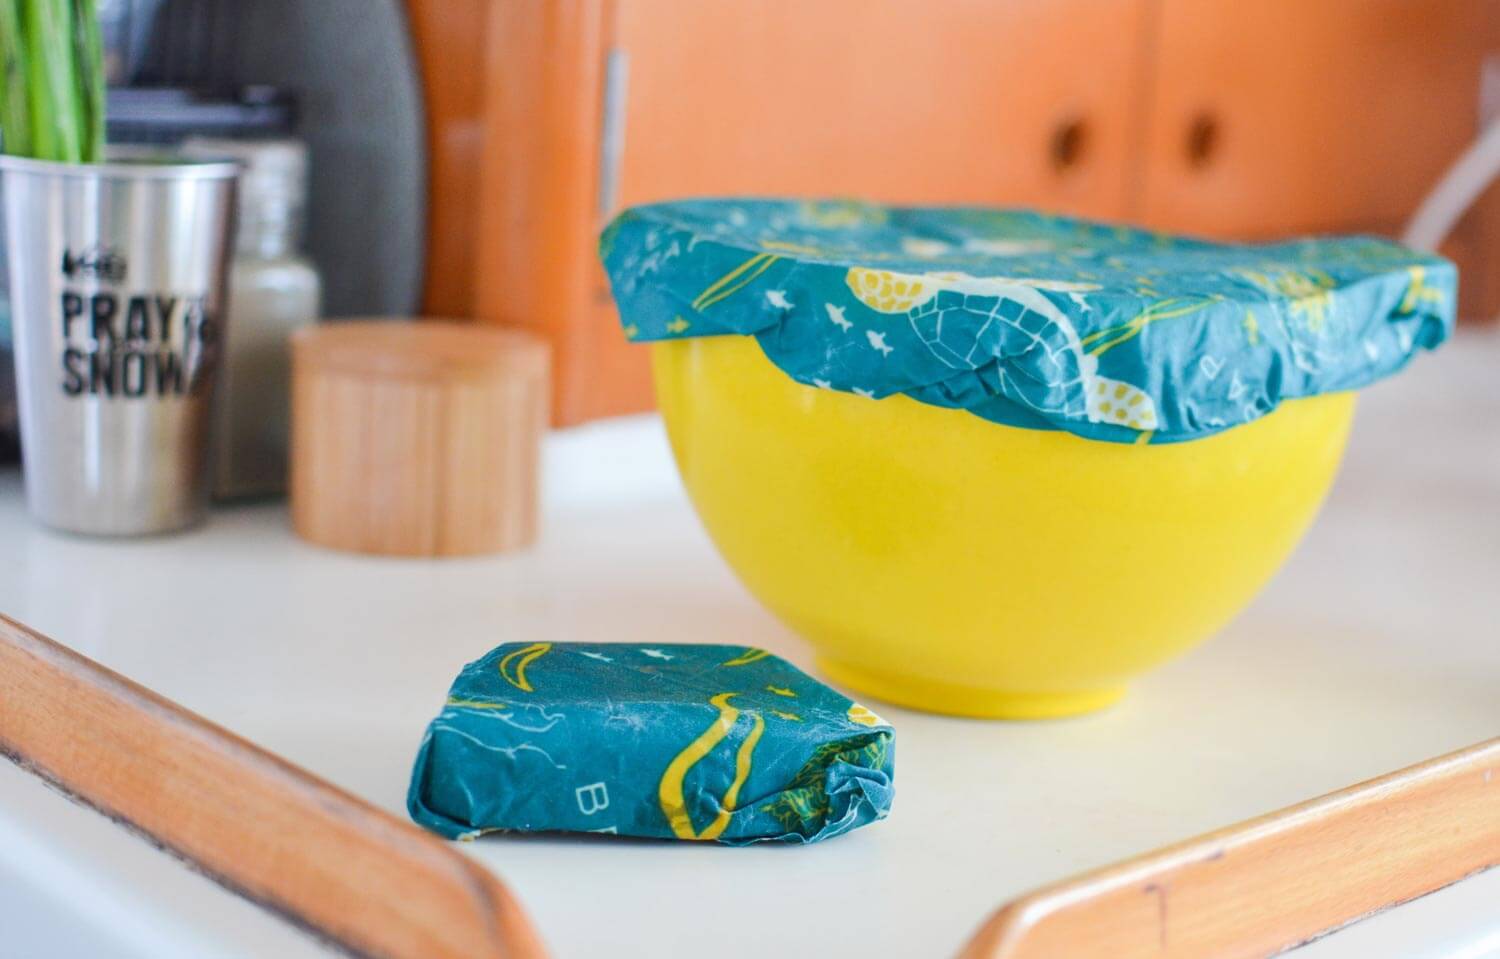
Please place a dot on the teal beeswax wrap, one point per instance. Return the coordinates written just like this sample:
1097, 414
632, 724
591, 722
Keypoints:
1034, 321
694, 742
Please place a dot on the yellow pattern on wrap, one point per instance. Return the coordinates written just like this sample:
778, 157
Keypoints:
1111, 401
747, 657
513, 666
1310, 291
734, 281
1167, 309
670, 792
885, 291
1419, 292
476, 703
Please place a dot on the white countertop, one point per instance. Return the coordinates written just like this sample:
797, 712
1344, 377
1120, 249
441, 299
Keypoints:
1375, 648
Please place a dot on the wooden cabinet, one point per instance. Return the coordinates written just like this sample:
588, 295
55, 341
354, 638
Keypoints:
1019, 102
1219, 117
1285, 116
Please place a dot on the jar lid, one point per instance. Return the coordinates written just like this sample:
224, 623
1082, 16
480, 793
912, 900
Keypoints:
426, 349
273, 185
1030, 320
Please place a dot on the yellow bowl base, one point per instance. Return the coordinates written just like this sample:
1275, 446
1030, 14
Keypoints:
972, 702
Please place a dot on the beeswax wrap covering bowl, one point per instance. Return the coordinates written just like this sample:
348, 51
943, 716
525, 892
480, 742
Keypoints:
993, 463
675, 741
1041, 322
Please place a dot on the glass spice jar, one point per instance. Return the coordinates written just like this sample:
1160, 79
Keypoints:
273, 291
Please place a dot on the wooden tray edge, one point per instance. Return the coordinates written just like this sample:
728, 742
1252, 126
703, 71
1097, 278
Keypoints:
1274, 882
336, 866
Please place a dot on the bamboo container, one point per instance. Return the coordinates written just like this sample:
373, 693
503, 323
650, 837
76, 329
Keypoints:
416, 439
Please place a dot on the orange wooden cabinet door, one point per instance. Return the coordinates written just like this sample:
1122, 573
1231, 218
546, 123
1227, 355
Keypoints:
1011, 102
449, 39
1286, 115
1025, 102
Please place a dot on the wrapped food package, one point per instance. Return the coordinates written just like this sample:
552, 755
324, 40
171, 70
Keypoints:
696, 742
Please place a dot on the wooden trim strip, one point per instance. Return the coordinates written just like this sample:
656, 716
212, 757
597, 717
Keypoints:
448, 38
350, 873
1275, 882
537, 210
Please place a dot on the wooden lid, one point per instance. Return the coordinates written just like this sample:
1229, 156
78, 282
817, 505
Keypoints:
426, 349
417, 439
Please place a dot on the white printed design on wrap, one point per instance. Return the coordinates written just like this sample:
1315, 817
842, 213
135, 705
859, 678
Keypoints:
1016, 304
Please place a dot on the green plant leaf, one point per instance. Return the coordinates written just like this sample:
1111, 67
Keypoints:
88, 70
15, 111
56, 130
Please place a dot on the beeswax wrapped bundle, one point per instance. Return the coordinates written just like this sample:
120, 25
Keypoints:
1029, 320
690, 742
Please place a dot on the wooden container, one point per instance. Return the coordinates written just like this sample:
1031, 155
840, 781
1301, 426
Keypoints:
416, 439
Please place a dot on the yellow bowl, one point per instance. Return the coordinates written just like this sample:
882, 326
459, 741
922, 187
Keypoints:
940, 561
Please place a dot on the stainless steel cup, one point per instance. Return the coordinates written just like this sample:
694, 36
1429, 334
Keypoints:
117, 304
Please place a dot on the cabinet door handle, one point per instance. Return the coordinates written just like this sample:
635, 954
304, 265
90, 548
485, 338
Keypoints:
1203, 141
1069, 144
